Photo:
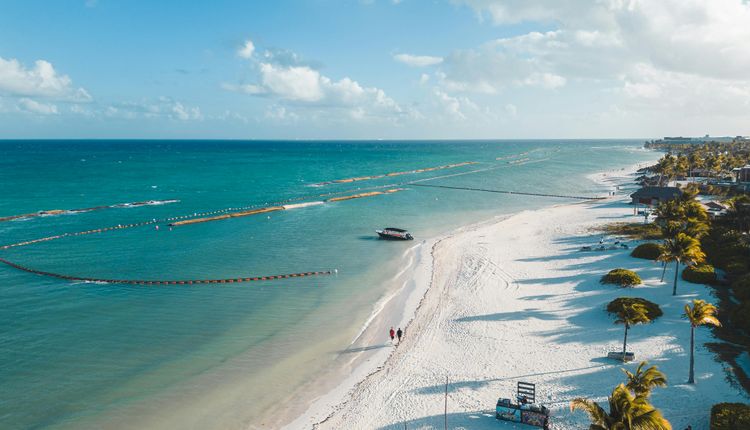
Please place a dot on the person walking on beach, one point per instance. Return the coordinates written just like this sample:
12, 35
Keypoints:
393, 334
399, 333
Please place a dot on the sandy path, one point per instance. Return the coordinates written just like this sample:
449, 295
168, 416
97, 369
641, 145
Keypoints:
517, 300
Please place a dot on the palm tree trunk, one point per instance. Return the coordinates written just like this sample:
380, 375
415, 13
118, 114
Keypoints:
676, 271
691, 377
625, 342
664, 270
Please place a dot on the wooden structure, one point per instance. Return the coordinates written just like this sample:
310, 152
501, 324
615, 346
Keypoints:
524, 411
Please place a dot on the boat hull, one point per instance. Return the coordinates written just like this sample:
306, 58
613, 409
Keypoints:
387, 236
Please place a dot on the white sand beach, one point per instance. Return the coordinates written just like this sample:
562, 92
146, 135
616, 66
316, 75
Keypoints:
517, 300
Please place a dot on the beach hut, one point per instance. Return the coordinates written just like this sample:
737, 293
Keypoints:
652, 196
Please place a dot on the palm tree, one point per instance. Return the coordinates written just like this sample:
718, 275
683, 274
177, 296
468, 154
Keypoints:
643, 381
681, 249
739, 215
695, 161
683, 215
665, 167
630, 315
626, 412
701, 313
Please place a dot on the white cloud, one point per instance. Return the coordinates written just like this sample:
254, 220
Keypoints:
298, 83
707, 38
670, 57
184, 113
247, 49
647, 88
32, 106
417, 60
451, 105
40, 81
544, 80
283, 77
280, 113
162, 107
80, 110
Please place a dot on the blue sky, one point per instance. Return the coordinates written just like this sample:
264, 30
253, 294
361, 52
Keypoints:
373, 69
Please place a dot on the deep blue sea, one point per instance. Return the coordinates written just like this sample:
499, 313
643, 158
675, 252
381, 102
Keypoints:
91, 355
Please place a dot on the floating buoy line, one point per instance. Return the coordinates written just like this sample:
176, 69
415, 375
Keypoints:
160, 282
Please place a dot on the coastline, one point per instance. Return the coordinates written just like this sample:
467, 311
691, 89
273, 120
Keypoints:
379, 383
409, 301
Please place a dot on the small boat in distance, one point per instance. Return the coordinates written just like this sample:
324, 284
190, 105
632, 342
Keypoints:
392, 233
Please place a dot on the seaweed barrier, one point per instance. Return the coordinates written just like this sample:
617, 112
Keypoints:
560, 196
281, 208
161, 282
386, 175
91, 209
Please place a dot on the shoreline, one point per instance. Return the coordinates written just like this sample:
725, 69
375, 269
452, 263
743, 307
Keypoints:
324, 407
358, 402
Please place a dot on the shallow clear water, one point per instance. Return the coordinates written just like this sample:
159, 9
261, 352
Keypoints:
84, 355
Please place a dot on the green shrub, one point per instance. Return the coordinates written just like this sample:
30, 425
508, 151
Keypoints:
648, 251
637, 231
699, 274
741, 288
730, 416
736, 268
739, 316
724, 247
621, 277
652, 308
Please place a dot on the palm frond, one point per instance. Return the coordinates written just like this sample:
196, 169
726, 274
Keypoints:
594, 411
702, 313
643, 381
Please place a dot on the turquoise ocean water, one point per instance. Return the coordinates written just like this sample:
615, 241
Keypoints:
85, 355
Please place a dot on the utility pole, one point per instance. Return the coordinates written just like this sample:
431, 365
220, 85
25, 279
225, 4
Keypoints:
446, 403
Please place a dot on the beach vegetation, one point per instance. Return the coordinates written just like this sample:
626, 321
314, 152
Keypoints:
621, 277
700, 313
627, 411
681, 249
741, 288
730, 416
739, 316
726, 241
725, 247
736, 269
699, 274
710, 159
644, 379
647, 251
630, 314
653, 311
682, 216
635, 231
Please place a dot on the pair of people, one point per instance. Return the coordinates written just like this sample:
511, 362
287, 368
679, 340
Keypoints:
398, 333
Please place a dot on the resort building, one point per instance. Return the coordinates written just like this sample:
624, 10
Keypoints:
652, 196
742, 174
714, 209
